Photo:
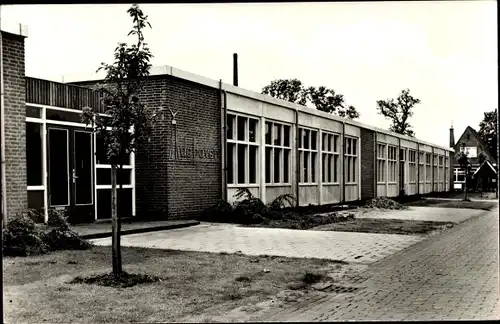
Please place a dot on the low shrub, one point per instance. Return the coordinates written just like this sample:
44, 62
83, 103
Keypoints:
221, 211
22, 238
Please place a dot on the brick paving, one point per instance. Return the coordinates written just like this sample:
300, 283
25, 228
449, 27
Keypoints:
453, 276
437, 214
346, 246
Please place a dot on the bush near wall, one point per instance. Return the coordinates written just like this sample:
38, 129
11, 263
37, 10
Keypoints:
21, 236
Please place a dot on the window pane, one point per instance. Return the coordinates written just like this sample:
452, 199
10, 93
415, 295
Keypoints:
230, 162
268, 164
34, 112
324, 165
336, 168
241, 162
252, 163
252, 130
336, 143
306, 166
286, 136
306, 138
348, 173
301, 140
313, 167
63, 115
230, 126
277, 134
353, 160
354, 148
277, 159
34, 154
58, 167
347, 148
330, 170
286, 161
301, 166
313, 140
268, 132
324, 139
241, 128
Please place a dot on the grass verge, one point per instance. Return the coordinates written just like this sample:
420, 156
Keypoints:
387, 226
191, 283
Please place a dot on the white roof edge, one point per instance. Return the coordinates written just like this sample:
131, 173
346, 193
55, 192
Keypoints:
169, 70
13, 28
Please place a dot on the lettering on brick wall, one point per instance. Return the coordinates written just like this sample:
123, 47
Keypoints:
193, 153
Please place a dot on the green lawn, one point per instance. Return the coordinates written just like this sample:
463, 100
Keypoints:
36, 288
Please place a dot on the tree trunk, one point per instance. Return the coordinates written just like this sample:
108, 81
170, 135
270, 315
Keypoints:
115, 225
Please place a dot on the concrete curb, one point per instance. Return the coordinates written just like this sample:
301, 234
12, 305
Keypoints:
140, 230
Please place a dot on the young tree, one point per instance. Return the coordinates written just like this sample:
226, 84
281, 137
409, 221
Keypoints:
321, 98
130, 122
399, 111
488, 130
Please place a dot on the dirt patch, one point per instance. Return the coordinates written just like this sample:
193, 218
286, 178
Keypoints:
387, 226
482, 205
193, 284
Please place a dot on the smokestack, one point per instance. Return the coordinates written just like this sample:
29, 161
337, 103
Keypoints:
235, 69
452, 136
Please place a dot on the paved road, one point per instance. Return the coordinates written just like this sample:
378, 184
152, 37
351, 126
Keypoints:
448, 277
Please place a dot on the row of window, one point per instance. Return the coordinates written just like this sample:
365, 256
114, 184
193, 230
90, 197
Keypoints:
243, 152
390, 171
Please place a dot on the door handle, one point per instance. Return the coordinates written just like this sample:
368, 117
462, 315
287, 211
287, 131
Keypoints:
74, 176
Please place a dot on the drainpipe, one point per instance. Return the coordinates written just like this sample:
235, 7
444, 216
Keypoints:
2, 136
343, 161
375, 168
297, 156
418, 169
224, 139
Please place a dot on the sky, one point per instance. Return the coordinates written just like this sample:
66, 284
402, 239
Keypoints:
444, 52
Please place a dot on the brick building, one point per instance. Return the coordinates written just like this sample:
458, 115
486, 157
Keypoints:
223, 138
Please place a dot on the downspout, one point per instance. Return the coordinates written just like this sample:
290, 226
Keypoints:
223, 148
343, 161
2, 136
418, 169
375, 166
297, 157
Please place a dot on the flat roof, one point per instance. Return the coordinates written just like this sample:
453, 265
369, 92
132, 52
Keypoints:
13, 28
171, 71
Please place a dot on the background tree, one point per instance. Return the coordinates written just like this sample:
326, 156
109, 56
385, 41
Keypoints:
463, 160
130, 122
286, 89
488, 130
399, 111
321, 98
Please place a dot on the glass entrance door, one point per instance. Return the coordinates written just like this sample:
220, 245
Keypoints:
70, 171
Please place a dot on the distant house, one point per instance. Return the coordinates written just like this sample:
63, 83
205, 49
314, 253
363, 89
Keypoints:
483, 170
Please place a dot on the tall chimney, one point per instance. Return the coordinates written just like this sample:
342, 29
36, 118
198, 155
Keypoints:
235, 69
452, 136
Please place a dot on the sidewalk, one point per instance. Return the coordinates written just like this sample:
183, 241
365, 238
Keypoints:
100, 230
453, 276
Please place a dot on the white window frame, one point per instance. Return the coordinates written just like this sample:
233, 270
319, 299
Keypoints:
275, 148
381, 163
412, 166
351, 171
428, 167
45, 122
333, 139
309, 151
421, 167
392, 163
247, 144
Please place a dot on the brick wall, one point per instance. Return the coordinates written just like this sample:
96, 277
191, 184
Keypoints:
178, 173
186, 155
14, 122
367, 164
